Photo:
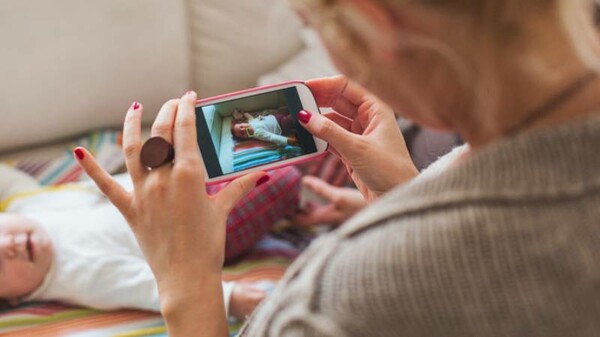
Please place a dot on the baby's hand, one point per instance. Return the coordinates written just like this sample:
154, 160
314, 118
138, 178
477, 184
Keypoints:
244, 299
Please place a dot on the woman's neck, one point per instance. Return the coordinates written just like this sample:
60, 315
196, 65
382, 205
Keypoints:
512, 93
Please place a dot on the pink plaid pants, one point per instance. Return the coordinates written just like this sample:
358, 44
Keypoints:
259, 210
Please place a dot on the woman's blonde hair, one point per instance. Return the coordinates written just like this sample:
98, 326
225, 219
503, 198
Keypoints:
501, 18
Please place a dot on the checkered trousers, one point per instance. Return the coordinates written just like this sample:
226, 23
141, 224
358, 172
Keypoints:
260, 209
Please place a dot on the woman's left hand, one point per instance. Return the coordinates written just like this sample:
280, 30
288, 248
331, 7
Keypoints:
180, 228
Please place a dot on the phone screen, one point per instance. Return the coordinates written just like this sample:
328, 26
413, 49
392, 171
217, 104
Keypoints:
243, 133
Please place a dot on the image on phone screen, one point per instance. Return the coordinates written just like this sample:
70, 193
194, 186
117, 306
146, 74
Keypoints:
243, 133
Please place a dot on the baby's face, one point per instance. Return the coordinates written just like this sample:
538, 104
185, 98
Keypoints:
25, 255
240, 130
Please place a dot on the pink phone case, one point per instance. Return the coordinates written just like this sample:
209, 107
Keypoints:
303, 160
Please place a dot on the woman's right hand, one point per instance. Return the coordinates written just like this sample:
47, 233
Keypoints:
363, 132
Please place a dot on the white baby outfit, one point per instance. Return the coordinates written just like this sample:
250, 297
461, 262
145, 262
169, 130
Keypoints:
97, 261
267, 128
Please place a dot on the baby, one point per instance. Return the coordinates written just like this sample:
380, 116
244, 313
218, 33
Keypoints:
70, 244
267, 127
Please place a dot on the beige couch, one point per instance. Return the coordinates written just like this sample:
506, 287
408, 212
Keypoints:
70, 66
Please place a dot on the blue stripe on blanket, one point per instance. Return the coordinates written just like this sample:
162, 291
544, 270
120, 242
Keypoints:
254, 157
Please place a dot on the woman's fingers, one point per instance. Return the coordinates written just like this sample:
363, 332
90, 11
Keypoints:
237, 189
185, 137
113, 191
165, 120
340, 120
339, 93
322, 127
132, 139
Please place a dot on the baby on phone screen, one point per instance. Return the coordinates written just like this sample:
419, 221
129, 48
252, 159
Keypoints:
271, 127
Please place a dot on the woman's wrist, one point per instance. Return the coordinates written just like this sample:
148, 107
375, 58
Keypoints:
184, 302
177, 288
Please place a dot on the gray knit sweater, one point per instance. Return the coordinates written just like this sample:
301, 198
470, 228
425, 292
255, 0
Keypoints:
506, 243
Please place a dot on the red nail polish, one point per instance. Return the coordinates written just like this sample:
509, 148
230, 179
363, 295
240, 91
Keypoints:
135, 105
304, 116
79, 153
263, 180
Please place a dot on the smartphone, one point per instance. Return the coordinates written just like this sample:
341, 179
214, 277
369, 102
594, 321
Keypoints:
255, 130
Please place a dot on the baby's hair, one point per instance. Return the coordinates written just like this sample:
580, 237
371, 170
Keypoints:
238, 115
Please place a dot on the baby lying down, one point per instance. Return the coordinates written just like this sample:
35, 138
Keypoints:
70, 244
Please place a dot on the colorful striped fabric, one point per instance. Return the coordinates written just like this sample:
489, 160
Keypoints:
264, 265
103, 144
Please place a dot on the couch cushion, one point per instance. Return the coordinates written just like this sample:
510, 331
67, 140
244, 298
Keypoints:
312, 62
69, 66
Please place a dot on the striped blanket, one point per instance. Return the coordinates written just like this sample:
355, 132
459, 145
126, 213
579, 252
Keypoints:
264, 265
251, 153
105, 145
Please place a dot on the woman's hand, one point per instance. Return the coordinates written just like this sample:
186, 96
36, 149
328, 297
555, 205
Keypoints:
363, 132
341, 204
180, 229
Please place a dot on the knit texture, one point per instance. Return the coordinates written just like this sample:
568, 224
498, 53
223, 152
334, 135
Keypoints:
504, 243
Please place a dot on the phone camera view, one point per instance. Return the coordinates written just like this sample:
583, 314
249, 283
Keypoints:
252, 131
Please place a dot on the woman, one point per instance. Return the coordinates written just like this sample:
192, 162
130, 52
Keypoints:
499, 244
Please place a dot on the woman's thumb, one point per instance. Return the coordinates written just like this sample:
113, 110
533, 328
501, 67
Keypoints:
238, 188
326, 129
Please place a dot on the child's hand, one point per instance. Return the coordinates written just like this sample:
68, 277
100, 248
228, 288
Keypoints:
292, 141
342, 203
244, 299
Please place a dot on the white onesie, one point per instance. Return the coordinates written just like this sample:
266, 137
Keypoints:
97, 262
267, 128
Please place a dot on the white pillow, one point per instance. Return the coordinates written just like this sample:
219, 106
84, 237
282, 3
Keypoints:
69, 66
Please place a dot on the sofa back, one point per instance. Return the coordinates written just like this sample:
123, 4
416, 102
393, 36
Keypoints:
70, 66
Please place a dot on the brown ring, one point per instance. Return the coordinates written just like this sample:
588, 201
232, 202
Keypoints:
156, 152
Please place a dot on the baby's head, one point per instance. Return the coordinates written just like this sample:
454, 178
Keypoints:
241, 130
25, 256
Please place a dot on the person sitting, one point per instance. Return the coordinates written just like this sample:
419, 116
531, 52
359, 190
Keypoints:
499, 239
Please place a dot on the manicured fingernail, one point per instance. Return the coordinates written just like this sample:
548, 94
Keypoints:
263, 180
304, 116
135, 105
79, 153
